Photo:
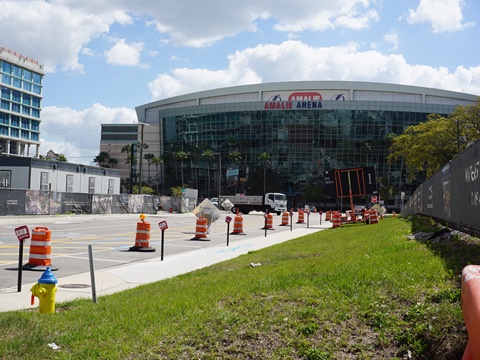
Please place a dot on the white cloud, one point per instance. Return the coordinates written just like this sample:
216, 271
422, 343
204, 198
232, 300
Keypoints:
87, 52
67, 31
442, 15
71, 25
392, 38
356, 21
185, 80
77, 133
124, 54
296, 61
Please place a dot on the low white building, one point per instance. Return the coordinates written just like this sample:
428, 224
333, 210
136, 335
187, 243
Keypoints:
24, 173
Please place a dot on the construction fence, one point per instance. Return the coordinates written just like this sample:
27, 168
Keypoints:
37, 202
452, 195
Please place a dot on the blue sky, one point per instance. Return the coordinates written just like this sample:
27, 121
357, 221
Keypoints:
105, 57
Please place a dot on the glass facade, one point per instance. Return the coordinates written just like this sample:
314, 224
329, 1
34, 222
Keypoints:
302, 144
286, 136
20, 102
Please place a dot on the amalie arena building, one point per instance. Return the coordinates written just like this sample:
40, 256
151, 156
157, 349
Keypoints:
307, 128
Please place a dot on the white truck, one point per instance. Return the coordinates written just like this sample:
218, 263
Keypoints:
271, 202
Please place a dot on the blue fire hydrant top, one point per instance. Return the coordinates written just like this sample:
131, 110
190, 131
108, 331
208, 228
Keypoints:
47, 277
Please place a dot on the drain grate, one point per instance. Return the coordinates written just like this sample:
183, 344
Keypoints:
74, 286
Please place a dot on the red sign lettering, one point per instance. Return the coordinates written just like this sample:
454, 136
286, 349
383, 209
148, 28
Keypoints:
305, 95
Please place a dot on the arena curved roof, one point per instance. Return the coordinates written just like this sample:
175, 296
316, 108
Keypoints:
312, 90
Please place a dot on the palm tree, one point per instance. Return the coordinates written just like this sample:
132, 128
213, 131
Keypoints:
112, 161
234, 156
180, 157
208, 156
157, 161
129, 161
102, 159
264, 158
149, 157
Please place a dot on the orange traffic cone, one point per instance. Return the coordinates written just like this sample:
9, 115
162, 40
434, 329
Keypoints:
201, 229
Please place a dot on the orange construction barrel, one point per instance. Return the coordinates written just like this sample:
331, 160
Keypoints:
40, 250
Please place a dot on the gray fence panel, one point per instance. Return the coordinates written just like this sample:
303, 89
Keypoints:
36, 202
453, 193
102, 204
12, 202
120, 204
76, 203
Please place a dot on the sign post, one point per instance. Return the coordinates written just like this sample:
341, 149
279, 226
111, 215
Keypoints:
291, 219
266, 217
22, 234
228, 219
163, 226
307, 210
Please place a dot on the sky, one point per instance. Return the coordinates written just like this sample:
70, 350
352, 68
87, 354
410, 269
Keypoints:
102, 58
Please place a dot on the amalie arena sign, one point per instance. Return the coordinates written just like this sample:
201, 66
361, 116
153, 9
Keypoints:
299, 100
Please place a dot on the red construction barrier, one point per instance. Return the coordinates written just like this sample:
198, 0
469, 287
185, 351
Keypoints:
471, 310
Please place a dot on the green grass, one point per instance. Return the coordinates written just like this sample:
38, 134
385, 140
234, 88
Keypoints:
357, 292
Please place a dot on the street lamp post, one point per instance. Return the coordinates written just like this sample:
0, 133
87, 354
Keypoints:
219, 176
141, 157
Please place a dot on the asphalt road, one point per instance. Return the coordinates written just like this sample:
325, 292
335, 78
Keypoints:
111, 237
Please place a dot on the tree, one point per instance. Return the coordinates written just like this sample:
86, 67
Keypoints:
102, 159
234, 156
208, 156
149, 157
430, 145
145, 190
112, 162
157, 161
62, 158
176, 191
128, 159
264, 158
426, 146
180, 157
467, 124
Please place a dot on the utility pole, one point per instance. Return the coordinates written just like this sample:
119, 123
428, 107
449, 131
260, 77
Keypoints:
219, 176
132, 166
141, 157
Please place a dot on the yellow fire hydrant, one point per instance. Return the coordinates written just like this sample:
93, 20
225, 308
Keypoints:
45, 290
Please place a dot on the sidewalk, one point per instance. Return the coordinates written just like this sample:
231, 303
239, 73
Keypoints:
115, 279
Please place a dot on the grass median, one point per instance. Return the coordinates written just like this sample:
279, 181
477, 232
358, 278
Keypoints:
356, 292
